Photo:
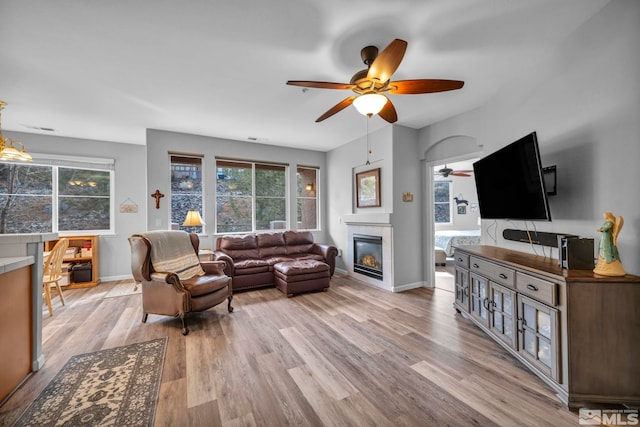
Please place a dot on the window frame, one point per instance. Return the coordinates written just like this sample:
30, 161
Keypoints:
450, 202
202, 210
55, 162
253, 197
316, 196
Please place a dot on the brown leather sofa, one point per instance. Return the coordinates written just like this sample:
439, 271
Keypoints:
250, 258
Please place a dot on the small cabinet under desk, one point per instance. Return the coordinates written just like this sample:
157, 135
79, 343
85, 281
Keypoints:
577, 331
83, 251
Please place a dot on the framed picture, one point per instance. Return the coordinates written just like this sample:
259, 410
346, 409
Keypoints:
368, 189
462, 210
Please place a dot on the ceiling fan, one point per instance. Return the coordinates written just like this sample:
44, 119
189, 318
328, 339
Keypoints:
446, 171
371, 84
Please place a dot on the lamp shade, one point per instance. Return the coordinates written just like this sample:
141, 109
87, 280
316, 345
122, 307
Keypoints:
193, 219
370, 103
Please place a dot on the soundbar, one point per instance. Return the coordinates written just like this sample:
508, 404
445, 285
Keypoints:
536, 237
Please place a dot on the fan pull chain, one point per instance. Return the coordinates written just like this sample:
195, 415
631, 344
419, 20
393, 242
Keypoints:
368, 149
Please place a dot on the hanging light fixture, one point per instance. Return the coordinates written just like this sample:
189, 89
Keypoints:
8, 151
370, 104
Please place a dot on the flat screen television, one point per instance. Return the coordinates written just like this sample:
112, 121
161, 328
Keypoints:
510, 182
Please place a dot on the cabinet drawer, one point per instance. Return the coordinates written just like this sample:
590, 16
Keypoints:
494, 272
462, 259
542, 290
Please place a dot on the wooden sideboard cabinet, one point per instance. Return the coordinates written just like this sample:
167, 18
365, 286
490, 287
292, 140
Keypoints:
577, 331
82, 250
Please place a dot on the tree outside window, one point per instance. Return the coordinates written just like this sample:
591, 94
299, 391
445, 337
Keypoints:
442, 202
30, 203
250, 196
186, 189
307, 198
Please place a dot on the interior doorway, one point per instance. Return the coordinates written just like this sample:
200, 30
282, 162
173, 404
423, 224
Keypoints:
456, 216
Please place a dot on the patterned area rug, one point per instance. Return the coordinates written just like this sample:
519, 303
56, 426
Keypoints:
113, 387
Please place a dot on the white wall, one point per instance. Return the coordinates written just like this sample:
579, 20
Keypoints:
585, 107
130, 183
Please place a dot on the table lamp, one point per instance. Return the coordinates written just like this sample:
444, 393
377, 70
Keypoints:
193, 219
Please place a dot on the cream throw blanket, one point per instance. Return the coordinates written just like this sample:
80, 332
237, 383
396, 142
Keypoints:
171, 251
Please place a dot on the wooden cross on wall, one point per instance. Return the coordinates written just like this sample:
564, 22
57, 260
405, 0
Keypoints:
157, 195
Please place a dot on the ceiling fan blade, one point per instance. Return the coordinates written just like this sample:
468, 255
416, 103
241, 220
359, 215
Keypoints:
388, 112
387, 61
408, 87
460, 174
320, 85
336, 108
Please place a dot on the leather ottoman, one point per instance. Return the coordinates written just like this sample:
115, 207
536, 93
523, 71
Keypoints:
294, 277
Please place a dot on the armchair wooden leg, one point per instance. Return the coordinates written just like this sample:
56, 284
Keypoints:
229, 304
144, 317
185, 330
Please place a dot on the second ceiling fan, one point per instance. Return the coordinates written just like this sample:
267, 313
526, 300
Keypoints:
372, 83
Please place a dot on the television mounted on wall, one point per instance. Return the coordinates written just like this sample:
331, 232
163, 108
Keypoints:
510, 182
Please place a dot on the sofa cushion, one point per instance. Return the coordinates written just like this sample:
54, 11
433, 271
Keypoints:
203, 285
298, 242
276, 259
271, 244
251, 266
239, 247
303, 256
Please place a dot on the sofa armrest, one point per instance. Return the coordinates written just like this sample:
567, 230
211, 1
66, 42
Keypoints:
169, 279
213, 267
329, 252
229, 268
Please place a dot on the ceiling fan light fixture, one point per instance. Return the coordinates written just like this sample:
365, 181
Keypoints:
370, 104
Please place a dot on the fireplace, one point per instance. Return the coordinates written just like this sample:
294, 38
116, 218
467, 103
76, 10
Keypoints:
367, 255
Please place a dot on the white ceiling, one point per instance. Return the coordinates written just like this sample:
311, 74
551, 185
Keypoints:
108, 70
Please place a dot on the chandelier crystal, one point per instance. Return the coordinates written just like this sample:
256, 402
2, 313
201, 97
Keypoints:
8, 151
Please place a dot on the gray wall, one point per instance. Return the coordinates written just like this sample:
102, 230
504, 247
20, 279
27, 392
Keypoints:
585, 107
161, 143
394, 149
130, 183
342, 165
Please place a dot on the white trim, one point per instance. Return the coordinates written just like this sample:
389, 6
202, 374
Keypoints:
408, 286
99, 163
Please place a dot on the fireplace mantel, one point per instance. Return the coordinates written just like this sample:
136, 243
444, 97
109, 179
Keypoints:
376, 218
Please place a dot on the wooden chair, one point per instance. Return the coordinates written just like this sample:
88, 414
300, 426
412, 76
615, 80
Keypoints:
53, 272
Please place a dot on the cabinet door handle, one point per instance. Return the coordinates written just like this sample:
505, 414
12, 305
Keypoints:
475, 265
459, 259
502, 276
532, 287
520, 322
466, 291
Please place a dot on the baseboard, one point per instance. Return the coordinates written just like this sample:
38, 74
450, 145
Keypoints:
114, 278
341, 271
408, 286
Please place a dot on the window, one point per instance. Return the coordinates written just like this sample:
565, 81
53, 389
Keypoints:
307, 198
250, 196
442, 199
186, 189
54, 194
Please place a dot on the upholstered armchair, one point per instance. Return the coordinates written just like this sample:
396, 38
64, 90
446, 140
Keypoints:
174, 281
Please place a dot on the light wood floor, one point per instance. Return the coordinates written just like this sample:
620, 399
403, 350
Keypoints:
354, 355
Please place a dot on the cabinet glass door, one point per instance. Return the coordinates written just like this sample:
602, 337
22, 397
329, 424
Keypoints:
479, 301
538, 335
502, 309
462, 289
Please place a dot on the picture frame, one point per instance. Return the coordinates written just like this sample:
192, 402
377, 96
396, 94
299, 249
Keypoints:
462, 210
368, 189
